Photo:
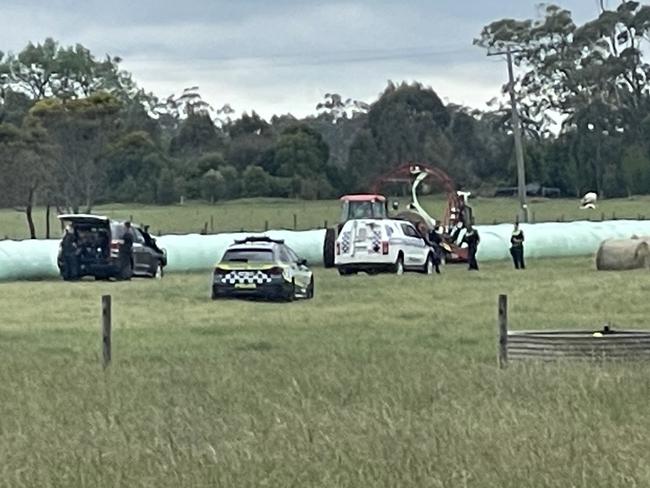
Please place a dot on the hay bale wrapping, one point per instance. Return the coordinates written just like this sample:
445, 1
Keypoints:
623, 254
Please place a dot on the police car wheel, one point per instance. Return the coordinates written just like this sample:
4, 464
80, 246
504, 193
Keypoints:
291, 292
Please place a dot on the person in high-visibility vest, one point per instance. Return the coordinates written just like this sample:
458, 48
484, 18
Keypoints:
517, 247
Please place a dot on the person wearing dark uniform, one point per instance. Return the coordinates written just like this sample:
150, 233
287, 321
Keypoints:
517, 247
472, 239
69, 253
127, 247
426, 235
436, 240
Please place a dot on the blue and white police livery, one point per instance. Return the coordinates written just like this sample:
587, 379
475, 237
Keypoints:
382, 245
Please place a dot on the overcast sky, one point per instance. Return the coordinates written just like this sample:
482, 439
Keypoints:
282, 56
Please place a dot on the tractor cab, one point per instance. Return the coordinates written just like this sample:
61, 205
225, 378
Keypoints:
363, 207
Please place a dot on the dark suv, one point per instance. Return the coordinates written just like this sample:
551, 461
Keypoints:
94, 246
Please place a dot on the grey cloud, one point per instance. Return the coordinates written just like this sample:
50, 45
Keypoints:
281, 56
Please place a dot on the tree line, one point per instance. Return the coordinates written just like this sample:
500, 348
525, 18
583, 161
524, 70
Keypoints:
76, 130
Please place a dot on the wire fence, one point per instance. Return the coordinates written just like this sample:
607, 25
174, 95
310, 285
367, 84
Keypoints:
296, 223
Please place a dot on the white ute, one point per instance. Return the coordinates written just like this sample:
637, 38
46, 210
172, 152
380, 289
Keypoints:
382, 245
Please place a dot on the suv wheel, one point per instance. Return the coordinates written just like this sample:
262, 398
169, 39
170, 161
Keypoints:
126, 272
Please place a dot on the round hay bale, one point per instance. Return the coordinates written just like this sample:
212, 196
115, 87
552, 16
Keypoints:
623, 254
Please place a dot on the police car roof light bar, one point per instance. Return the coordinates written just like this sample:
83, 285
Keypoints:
258, 239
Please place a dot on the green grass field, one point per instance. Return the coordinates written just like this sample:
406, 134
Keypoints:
253, 215
379, 381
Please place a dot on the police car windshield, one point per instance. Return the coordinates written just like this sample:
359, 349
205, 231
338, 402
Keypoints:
248, 256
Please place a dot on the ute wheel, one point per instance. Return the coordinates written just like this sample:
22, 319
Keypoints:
328, 248
398, 267
310, 289
346, 271
429, 265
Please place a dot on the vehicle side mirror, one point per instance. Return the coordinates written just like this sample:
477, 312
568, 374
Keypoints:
302, 262
395, 205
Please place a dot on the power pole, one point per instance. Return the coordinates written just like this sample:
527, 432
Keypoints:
516, 130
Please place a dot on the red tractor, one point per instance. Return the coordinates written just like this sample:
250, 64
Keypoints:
457, 216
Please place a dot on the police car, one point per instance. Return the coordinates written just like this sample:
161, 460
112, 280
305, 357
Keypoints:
383, 245
264, 268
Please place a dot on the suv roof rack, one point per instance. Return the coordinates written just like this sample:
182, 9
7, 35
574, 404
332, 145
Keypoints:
258, 239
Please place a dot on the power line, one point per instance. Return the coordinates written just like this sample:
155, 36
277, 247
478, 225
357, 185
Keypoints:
325, 58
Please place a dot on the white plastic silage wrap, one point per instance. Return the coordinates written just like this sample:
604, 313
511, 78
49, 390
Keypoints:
33, 259
553, 239
198, 252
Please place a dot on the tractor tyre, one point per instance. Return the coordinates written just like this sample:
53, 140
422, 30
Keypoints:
328, 248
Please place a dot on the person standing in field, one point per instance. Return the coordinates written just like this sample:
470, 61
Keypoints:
435, 240
472, 239
517, 247
127, 247
69, 253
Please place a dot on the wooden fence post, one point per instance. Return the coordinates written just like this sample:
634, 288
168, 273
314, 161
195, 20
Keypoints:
266, 225
295, 222
503, 331
106, 330
212, 224
325, 225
